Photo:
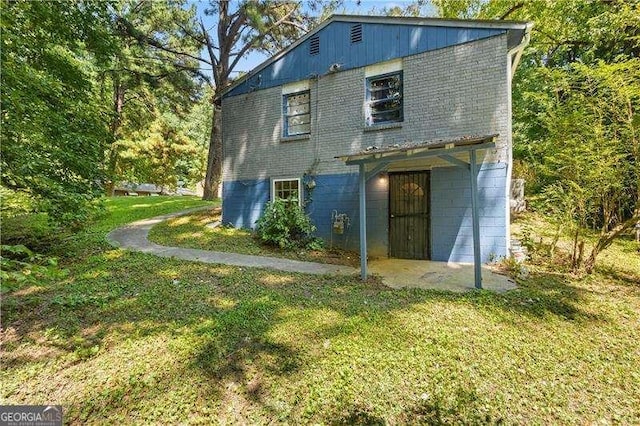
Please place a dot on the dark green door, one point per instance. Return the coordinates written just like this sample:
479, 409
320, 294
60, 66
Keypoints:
409, 215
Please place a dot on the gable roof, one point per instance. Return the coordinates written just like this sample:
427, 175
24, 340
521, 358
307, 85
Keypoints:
465, 30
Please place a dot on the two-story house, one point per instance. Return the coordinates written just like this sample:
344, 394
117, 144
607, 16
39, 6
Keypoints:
415, 110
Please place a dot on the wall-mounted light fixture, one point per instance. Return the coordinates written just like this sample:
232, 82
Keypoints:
335, 67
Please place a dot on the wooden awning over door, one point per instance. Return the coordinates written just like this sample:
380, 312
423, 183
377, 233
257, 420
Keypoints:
379, 159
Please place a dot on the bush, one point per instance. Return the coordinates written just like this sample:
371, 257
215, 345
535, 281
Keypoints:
285, 225
32, 230
19, 266
26, 221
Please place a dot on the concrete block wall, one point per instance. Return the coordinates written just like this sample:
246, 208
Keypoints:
451, 92
451, 222
244, 201
339, 192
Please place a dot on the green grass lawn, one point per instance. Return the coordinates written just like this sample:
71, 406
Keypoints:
120, 211
129, 337
192, 231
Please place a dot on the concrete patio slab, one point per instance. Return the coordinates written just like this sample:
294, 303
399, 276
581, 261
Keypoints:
403, 273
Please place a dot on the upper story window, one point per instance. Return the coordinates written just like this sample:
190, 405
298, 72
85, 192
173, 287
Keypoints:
297, 114
287, 189
384, 99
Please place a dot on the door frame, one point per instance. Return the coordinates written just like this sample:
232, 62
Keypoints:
427, 172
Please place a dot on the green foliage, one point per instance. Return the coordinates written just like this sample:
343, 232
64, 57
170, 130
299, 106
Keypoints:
76, 85
514, 268
300, 349
151, 93
14, 202
587, 165
196, 126
53, 127
575, 101
162, 155
20, 266
285, 225
33, 230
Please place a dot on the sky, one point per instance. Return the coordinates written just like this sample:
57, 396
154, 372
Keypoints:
253, 59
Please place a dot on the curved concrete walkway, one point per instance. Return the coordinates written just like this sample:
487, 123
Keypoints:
135, 236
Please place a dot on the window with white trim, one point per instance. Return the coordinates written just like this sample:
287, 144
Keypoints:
287, 189
384, 99
297, 113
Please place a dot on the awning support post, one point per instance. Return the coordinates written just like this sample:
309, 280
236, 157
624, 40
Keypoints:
477, 265
363, 221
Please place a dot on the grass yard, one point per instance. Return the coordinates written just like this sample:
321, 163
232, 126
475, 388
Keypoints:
192, 231
120, 211
128, 337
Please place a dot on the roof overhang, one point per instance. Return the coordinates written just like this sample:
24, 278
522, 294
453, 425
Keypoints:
414, 151
517, 45
434, 22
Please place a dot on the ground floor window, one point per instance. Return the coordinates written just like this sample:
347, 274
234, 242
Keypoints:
287, 189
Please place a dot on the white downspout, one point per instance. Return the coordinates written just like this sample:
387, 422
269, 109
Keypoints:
514, 56
516, 53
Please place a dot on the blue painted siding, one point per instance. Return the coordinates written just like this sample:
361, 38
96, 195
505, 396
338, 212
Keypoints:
340, 193
243, 201
451, 231
377, 217
380, 42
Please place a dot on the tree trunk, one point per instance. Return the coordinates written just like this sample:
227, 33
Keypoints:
214, 159
605, 240
578, 263
574, 254
110, 186
112, 164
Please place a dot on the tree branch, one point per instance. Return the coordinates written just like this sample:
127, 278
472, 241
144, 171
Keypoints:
190, 34
234, 28
257, 38
209, 44
297, 25
131, 31
510, 11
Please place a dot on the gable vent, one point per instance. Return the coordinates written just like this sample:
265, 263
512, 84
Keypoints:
356, 33
314, 45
